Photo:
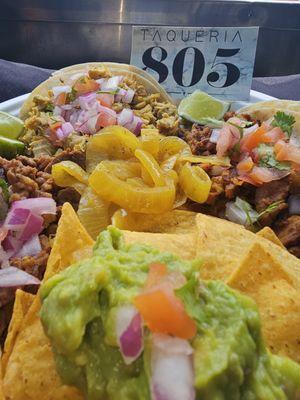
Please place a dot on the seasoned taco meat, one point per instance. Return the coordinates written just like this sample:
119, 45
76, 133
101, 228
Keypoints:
198, 140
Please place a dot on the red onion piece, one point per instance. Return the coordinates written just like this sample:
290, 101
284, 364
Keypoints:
135, 126
38, 205
129, 331
14, 277
172, 369
125, 117
247, 131
128, 96
16, 218
111, 84
34, 225
11, 244
214, 135
30, 248
86, 101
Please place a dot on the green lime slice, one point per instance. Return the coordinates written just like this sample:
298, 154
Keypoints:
10, 126
10, 148
199, 105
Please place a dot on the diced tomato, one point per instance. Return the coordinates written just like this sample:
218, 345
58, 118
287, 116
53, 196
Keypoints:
228, 137
105, 119
86, 85
164, 313
106, 99
55, 126
245, 165
287, 152
252, 140
262, 135
262, 175
60, 100
156, 272
273, 135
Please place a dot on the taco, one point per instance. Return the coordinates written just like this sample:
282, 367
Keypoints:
261, 185
79, 100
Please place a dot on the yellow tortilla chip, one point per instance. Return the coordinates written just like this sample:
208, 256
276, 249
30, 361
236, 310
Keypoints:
175, 221
269, 234
277, 294
30, 372
71, 243
1, 383
222, 245
22, 303
182, 245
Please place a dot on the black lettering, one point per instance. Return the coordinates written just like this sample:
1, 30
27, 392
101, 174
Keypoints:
187, 38
225, 39
237, 35
198, 67
199, 35
172, 39
144, 30
158, 34
156, 65
213, 34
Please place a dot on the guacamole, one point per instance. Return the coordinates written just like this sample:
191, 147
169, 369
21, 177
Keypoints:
79, 308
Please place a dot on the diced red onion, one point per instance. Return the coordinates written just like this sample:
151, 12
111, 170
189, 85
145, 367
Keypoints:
171, 369
31, 247
16, 218
15, 277
86, 101
100, 81
128, 96
34, 225
111, 84
125, 117
3, 233
135, 126
129, 332
11, 244
64, 131
38, 205
120, 95
214, 135
57, 90
294, 204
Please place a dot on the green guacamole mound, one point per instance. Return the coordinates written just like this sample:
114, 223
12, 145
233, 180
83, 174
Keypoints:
78, 315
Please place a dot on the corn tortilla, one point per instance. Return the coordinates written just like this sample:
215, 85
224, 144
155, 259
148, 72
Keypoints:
269, 234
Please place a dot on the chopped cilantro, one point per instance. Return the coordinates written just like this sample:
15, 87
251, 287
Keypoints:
270, 208
72, 96
284, 121
4, 189
49, 108
267, 158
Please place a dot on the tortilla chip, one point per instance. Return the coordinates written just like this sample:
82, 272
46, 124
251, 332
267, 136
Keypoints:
30, 372
222, 245
277, 294
270, 235
23, 301
182, 245
1, 383
71, 243
175, 221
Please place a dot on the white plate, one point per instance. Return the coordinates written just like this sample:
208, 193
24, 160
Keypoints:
13, 106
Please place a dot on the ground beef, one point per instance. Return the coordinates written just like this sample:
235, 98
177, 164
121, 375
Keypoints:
198, 140
288, 231
27, 178
229, 114
269, 193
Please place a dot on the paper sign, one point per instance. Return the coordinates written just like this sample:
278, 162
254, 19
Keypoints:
218, 61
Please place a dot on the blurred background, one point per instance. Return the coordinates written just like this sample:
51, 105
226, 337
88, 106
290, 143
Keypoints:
55, 33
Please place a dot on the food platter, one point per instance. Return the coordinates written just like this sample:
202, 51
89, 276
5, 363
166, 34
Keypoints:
149, 250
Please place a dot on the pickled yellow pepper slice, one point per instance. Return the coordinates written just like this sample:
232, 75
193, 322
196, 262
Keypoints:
195, 182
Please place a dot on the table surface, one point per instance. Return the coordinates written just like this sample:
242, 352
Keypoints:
17, 79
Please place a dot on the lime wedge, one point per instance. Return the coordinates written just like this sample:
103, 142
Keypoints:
10, 148
199, 105
10, 126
